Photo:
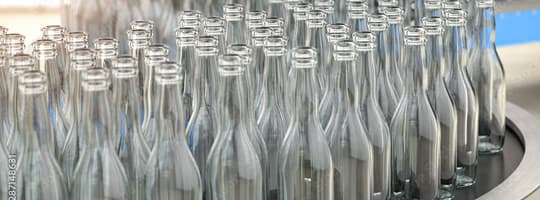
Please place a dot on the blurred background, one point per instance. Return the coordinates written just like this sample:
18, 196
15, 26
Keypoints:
518, 39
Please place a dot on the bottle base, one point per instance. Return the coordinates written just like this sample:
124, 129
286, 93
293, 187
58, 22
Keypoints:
447, 189
487, 147
463, 181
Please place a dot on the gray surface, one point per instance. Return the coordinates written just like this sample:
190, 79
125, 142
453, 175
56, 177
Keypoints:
514, 5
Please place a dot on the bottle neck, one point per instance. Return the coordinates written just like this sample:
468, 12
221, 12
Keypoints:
205, 81
304, 90
273, 80
96, 120
34, 123
395, 36
368, 77
382, 55
415, 74
486, 25
170, 113
435, 59
74, 94
299, 32
127, 104
456, 49
347, 86
233, 109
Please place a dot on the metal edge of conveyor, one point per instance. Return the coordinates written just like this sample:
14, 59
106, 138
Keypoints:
526, 178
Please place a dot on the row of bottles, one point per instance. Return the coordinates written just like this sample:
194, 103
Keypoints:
307, 100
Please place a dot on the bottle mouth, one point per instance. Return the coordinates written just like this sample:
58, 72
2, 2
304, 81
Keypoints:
106, 46
21, 60
82, 55
124, 62
336, 37
169, 68
394, 15
138, 38
214, 30
157, 50
337, 28
365, 41
274, 22
142, 24
125, 72
33, 88
433, 4
455, 17
189, 15
189, 23
317, 14
256, 15
32, 77
415, 35
377, 23
13, 39
214, 21
433, 25
324, 3
73, 37
169, 79
304, 57
95, 85
275, 46
96, 74
44, 48
243, 51
231, 65
451, 5
485, 3
54, 32
357, 10
186, 36
233, 12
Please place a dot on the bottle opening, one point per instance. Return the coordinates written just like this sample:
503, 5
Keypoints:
415, 35
96, 74
169, 68
455, 17
21, 60
433, 25
83, 54
54, 32
186, 36
304, 57
32, 77
242, 50
142, 24
156, 50
124, 62
377, 23
125, 72
394, 15
189, 15
33, 88
214, 21
231, 65
95, 85
44, 48
76, 37
365, 41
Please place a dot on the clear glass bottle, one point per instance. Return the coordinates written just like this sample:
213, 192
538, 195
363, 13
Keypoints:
258, 39
99, 174
299, 34
234, 16
357, 13
44, 52
186, 41
352, 152
106, 51
139, 40
487, 76
329, 73
234, 170
386, 93
171, 172
442, 104
38, 174
462, 93
371, 114
72, 41
81, 60
202, 128
154, 56
133, 151
305, 161
18, 65
415, 128
395, 47
273, 117
146, 25
254, 133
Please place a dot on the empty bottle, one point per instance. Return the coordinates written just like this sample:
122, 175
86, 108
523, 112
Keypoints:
386, 93
133, 151
273, 117
371, 114
305, 161
139, 40
415, 128
234, 170
488, 79
172, 172
462, 93
73, 40
202, 128
99, 174
352, 153
442, 104
57, 33
316, 38
106, 51
395, 47
38, 174
258, 39
186, 41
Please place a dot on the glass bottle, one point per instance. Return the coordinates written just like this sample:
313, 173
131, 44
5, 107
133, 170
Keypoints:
487, 76
305, 161
273, 117
56, 33
234, 170
254, 19
254, 133
106, 51
38, 174
234, 16
442, 104
386, 93
18, 65
44, 51
172, 172
81, 60
202, 130
395, 47
154, 56
139, 40
13, 43
462, 93
186, 41
99, 174
329, 73
357, 13
133, 151
73, 40
371, 114
351, 149
299, 34
415, 128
